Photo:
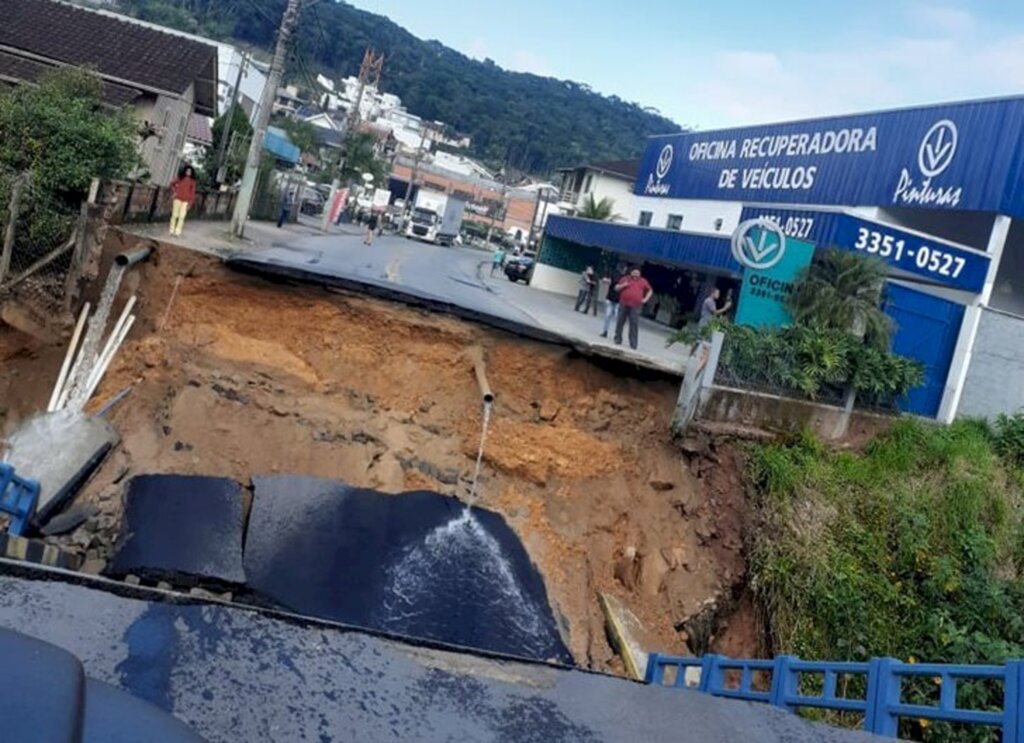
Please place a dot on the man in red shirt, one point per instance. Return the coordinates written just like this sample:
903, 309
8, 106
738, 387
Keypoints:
634, 291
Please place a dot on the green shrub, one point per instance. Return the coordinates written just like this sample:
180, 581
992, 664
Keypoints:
911, 549
1008, 437
809, 359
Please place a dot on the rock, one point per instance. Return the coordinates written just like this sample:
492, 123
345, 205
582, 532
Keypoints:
132, 580
94, 566
549, 410
227, 596
164, 586
653, 570
70, 519
202, 593
627, 569
660, 481
673, 556
695, 445
278, 411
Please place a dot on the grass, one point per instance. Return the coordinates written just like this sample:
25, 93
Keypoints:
912, 549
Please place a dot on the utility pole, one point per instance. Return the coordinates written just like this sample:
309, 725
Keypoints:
252, 163
369, 72
407, 207
225, 134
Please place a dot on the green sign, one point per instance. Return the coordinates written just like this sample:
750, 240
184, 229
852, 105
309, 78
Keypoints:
771, 262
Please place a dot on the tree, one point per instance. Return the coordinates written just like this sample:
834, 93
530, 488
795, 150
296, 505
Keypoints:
234, 157
59, 131
843, 291
603, 210
526, 121
361, 157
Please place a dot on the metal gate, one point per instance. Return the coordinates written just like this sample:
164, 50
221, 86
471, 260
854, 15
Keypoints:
927, 328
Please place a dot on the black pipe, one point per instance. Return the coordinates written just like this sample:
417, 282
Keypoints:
130, 259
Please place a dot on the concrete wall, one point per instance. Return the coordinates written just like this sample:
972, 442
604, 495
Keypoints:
552, 279
698, 216
994, 378
785, 414
618, 190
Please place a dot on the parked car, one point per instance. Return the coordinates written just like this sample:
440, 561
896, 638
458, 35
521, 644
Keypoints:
313, 202
520, 267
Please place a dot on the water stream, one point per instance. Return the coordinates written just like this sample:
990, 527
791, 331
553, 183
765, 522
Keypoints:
88, 355
480, 451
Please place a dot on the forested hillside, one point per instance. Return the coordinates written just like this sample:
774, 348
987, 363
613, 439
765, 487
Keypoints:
529, 122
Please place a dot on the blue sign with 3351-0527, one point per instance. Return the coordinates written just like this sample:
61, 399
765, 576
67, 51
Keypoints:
967, 156
936, 260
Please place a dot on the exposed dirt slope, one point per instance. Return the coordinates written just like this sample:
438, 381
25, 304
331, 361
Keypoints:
250, 377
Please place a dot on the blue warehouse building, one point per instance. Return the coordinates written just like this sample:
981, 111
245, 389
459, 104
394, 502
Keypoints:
936, 192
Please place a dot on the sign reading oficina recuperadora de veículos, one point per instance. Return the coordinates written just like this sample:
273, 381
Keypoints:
967, 156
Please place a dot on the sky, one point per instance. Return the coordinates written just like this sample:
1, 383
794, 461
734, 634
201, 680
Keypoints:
718, 63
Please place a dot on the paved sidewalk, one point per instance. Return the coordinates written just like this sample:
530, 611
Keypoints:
215, 238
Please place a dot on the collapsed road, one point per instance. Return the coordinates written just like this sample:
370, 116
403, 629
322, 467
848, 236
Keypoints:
232, 376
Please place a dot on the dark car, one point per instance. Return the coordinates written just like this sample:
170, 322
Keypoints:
520, 267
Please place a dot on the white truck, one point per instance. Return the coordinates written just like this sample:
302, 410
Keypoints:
436, 217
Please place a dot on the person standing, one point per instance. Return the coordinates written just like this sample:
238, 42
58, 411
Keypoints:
286, 207
611, 303
586, 289
710, 310
183, 192
497, 260
371, 228
634, 293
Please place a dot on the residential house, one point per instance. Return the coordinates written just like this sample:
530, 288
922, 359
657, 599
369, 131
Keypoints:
287, 101
612, 180
163, 77
229, 59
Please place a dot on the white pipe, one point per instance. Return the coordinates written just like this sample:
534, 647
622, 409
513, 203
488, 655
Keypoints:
66, 366
108, 349
104, 363
93, 364
121, 320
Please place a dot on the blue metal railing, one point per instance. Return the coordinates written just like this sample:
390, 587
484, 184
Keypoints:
882, 679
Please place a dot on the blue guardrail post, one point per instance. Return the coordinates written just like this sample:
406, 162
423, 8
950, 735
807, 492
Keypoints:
1013, 702
785, 683
888, 688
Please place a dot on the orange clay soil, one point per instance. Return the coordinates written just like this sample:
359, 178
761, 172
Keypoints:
251, 377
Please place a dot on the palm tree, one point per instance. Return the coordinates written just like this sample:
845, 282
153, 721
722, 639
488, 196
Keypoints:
843, 290
603, 210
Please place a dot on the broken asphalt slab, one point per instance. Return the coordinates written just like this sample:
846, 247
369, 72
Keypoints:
234, 674
181, 525
416, 564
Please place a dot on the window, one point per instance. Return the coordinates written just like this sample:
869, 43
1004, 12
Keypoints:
645, 219
718, 225
675, 222
588, 183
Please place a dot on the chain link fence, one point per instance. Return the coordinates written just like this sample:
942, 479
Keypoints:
39, 244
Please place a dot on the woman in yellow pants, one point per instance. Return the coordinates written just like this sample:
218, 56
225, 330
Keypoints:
183, 189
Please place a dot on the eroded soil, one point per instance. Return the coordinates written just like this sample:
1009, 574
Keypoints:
249, 377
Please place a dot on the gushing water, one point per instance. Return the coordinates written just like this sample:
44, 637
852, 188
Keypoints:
480, 452
459, 564
88, 356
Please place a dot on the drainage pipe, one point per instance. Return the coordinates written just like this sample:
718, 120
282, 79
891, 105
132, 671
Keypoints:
62, 377
476, 354
130, 259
